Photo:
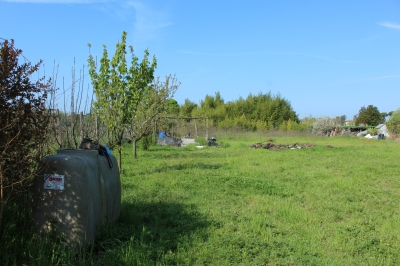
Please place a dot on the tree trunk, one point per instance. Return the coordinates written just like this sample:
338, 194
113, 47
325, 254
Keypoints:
195, 128
134, 149
109, 140
120, 159
120, 154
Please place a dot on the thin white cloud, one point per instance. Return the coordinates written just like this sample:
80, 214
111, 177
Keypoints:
390, 25
56, 1
148, 22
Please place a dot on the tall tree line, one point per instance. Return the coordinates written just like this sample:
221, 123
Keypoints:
256, 112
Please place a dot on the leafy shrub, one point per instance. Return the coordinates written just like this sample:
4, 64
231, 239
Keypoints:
372, 131
243, 123
146, 142
24, 122
323, 125
224, 144
201, 141
394, 125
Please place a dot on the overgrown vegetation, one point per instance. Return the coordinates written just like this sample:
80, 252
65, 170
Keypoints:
24, 122
236, 205
394, 122
256, 112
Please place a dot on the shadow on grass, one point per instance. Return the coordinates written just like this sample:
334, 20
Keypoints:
146, 234
150, 233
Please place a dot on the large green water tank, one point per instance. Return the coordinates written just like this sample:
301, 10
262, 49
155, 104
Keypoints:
75, 193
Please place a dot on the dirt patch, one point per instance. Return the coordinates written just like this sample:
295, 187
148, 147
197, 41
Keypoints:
269, 145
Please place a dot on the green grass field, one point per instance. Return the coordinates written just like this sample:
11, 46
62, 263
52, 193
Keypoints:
239, 206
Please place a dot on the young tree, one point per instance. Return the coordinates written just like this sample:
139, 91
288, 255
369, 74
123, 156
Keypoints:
154, 104
369, 116
394, 122
119, 89
24, 122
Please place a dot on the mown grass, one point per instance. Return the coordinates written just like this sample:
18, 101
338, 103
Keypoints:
234, 205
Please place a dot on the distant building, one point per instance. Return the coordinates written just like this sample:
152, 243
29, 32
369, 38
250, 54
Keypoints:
382, 129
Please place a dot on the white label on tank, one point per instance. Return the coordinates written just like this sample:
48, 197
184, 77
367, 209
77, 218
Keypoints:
54, 181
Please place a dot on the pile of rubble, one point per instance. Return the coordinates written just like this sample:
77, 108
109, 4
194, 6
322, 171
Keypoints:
360, 131
272, 146
165, 140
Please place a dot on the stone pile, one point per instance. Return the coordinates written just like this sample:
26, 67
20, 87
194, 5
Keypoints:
272, 146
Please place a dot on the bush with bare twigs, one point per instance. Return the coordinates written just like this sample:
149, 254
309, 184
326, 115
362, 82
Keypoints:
24, 122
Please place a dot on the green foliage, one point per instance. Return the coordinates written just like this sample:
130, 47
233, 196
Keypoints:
372, 131
226, 124
394, 122
119, 89
201, 141
245, 124
24, 122
173, 107
259, 112
187, 108
211, 102
395, 114
146, 142
308, 121
290, 125
152, 108
283, 126
394, 125
241, 206
369, 116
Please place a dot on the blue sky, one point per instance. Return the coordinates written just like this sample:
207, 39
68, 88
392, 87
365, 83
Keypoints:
328, 58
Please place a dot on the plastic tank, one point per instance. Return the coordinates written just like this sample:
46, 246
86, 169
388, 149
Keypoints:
75, 193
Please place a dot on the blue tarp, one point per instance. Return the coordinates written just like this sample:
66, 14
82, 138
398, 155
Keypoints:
161, 135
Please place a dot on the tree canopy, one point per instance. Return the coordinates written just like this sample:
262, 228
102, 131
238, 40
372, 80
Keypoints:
119, 88
369, 116
262, 111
